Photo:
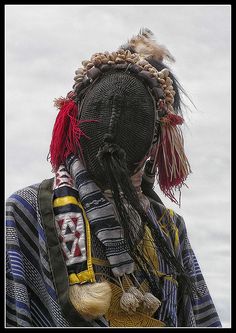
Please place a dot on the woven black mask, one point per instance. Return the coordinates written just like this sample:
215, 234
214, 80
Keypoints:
125, 110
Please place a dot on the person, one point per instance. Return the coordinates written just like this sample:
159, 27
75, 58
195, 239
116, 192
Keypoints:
95, 246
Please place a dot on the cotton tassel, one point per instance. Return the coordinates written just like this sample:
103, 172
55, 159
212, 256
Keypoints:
91, 300
66, 132
128, 301
170, 159
150, 304
134, 291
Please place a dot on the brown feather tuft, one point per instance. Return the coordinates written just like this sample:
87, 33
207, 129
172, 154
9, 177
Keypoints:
145, 44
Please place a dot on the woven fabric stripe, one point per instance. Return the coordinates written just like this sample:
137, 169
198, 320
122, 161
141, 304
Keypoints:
186, 313
69, 219
101, 216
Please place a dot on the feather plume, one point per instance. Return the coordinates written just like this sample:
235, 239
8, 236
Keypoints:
145, 44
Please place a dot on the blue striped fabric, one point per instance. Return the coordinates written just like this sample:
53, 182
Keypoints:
31, 295
193, 310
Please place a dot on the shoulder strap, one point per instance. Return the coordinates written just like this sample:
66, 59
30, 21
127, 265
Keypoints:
59, 270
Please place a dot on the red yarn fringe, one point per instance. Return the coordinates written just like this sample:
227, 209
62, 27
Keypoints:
66, 132
170, 159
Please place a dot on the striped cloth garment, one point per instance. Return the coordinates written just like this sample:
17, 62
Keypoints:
37, 277
31, 294
101, 215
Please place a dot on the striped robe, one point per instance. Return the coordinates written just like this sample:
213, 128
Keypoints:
37, 279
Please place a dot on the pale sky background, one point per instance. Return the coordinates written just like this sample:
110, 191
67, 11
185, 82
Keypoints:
45, 44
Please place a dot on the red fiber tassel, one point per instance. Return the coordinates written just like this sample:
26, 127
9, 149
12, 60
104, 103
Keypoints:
170, 159
66, 132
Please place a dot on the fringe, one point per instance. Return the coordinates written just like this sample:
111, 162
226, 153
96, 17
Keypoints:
170, 159
66, 132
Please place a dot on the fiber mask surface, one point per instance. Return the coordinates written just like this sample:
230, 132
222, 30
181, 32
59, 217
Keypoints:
127, 97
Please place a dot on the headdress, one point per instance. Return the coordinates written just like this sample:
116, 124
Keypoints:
121, 117
141, 58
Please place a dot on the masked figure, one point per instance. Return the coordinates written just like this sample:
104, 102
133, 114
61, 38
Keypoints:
95, 246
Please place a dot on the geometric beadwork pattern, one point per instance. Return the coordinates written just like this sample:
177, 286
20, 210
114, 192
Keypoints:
62, 178
71, 232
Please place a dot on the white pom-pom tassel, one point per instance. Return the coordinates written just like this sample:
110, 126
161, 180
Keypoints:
150, 304
133, 290
129, 302
91, 300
